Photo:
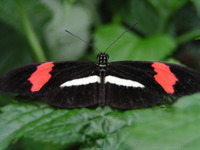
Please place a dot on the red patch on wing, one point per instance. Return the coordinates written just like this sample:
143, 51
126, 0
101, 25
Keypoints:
40, 76
164, 77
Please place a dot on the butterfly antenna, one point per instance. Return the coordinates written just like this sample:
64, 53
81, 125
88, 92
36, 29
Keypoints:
87, 43
120, 36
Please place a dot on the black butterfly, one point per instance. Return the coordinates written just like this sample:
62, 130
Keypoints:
122, 84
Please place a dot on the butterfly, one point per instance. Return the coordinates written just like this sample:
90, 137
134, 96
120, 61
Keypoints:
120, 84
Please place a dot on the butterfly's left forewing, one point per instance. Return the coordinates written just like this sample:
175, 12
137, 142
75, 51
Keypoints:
139, 84
61, 84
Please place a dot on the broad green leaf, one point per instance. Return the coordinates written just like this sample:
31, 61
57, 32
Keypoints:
104, 128
154, 48
120, 50
6, 14
34, 9
131, 47
197, 5
44, 123
71, 17
137, 11
177, 129
167, 8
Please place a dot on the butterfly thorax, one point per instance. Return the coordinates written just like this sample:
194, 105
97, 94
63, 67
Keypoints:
102, 65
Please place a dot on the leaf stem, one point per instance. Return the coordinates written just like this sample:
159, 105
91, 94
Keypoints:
29, 32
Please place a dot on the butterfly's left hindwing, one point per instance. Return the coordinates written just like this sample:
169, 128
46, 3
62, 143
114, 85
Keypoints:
44, 80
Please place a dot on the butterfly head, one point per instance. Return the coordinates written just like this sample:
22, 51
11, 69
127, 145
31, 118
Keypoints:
102, 59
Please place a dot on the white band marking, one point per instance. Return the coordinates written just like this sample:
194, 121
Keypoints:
81, 81
108, 79
123, 82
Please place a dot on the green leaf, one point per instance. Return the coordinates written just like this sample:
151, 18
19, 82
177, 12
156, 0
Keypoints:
121, 49
64, 15
104, 128
154, 48
197, 5
34, 9
22, 24
137, 11
6, 14
71, 17
177, 129
166, 8
131, 47
45, 123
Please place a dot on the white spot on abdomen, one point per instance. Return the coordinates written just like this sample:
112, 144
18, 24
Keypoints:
123, 82
81, 81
